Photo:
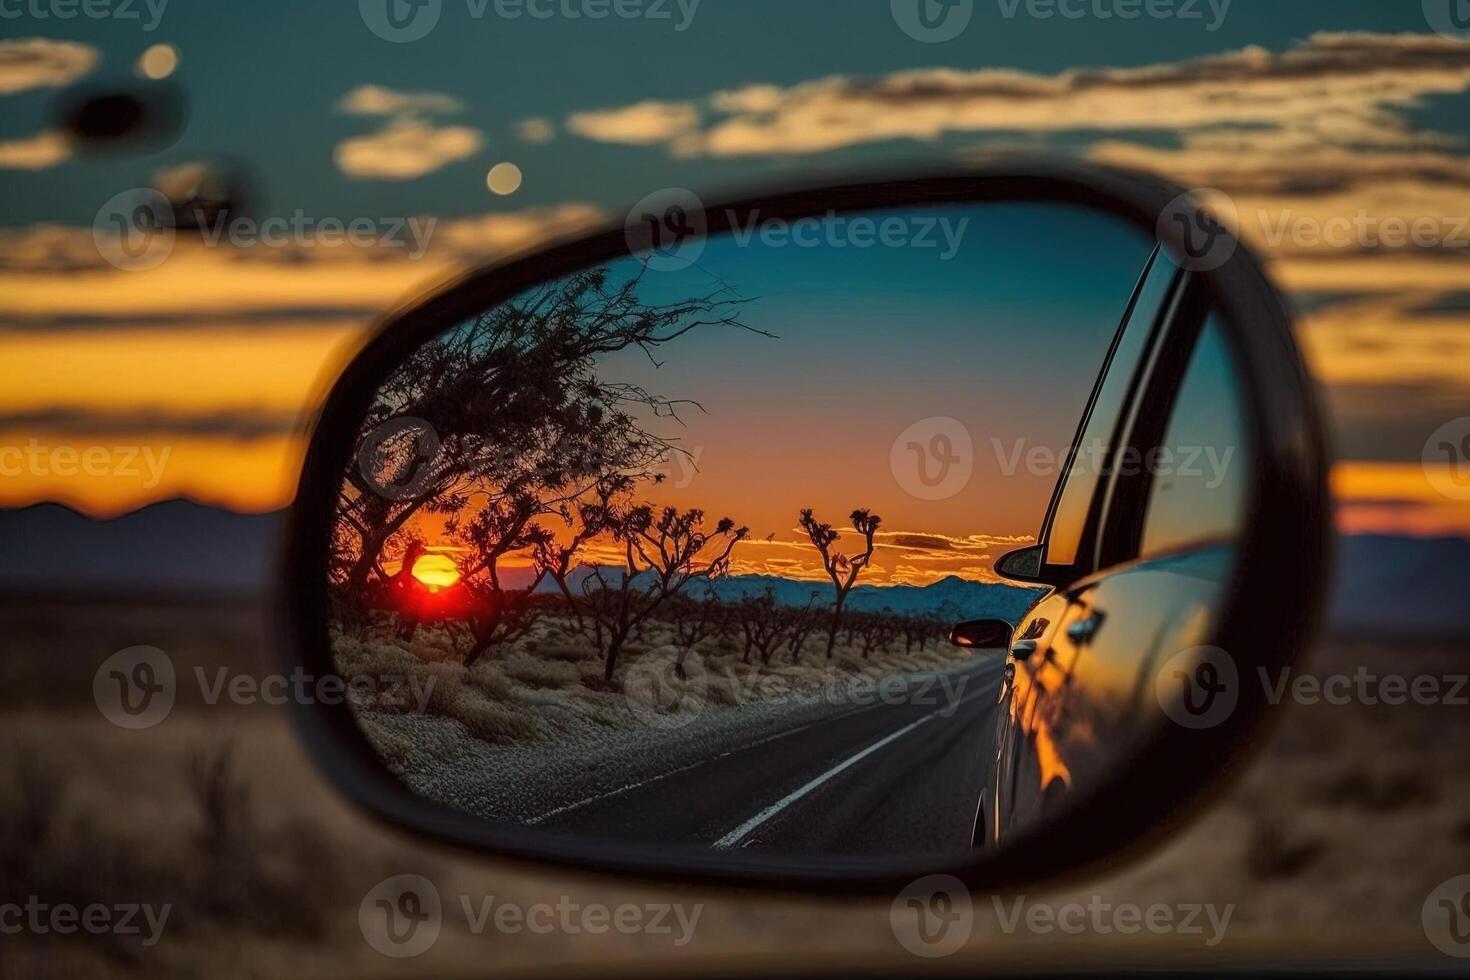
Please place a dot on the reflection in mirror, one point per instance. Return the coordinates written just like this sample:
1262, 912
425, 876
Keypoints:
672, 549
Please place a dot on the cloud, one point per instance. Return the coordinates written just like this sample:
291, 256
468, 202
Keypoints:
1351, 78
537, 130
499, 234
72, 420
40, 63
39, 152
55, 275
376, 100
406, 149
643, 124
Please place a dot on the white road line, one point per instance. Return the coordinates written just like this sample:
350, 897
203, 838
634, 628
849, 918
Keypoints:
733, 837
685, 768
618, 791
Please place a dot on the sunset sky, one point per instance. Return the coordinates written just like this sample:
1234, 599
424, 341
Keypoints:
210, 363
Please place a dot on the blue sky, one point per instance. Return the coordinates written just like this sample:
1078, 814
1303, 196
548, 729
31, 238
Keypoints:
1303, 112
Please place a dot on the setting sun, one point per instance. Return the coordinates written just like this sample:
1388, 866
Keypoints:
436, 571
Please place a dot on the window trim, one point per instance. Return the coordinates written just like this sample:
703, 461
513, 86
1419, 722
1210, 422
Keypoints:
1060, 575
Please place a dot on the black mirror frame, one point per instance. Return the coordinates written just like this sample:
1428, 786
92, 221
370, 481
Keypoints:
1268, 626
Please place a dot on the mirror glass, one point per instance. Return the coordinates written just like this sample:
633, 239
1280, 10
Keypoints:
672, 549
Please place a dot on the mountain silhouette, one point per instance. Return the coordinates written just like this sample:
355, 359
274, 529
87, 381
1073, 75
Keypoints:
1383, 586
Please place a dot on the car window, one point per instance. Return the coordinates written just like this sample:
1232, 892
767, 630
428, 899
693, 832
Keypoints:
1197, 492
1088, 464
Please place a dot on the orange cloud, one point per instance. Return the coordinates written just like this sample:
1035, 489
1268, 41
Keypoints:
405, 149
42, 63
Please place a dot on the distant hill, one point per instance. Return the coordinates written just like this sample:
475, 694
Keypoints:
1401, 588
952, 597
1410, 588
176, 548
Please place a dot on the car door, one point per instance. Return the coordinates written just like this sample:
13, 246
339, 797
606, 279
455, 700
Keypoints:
1135, 545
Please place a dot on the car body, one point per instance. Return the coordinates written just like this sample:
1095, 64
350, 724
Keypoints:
1129, 519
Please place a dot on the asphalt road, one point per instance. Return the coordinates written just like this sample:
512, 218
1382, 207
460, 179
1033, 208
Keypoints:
897, 777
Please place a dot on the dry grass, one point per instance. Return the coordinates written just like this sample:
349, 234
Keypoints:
554, 676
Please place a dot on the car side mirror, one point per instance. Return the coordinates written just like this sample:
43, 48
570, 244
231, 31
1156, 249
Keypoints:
552, 622
983, 634
1022, 565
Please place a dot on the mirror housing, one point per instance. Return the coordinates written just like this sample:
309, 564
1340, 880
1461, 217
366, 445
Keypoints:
982, 634
1265, 628
1022, 565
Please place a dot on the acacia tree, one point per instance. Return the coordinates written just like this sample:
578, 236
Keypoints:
878, 630
661, 555
842, 569
498, 614
508, 405
694, 619
801, 624
918, 630
763, 625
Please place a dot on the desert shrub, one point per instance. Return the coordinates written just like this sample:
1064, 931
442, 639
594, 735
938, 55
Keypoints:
568, 652
543, 673
723, 689
489, 679
1362, 789
1276, 853
490, 721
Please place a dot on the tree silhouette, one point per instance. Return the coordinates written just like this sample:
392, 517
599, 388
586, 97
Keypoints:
842, 569
878, 630
763, 625
801, 624
661, 555
503, 526
694, 619
511, 408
